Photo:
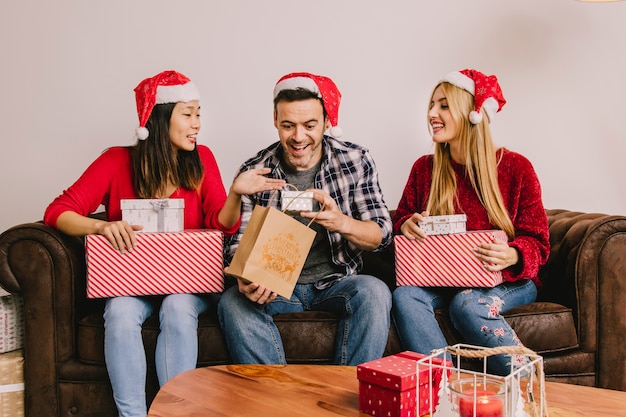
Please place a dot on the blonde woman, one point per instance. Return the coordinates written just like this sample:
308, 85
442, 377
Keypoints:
496, 189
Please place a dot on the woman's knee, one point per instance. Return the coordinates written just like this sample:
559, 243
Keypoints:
128, 311
472, 304
182, 306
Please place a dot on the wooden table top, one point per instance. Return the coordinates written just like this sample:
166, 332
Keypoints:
323, 390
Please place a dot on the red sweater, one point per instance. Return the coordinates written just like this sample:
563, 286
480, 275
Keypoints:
109, 179
521, 192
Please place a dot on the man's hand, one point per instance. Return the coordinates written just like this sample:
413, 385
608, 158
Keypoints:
254, 292
329, 216
365, 235
254, 181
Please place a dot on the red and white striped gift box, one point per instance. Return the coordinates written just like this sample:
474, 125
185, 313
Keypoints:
445, 260
162, 263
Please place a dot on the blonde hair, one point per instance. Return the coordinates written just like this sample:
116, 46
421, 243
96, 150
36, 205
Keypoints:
479, 159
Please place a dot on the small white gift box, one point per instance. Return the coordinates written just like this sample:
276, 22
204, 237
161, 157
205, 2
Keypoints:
155, 215
296, 201
443, 225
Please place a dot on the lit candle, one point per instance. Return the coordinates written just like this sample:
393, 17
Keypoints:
487, 404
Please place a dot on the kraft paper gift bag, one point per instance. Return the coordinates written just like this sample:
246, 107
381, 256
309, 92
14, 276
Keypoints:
272, 250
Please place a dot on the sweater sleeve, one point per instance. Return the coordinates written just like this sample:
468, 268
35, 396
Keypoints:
415, 194
529, 221
92, 188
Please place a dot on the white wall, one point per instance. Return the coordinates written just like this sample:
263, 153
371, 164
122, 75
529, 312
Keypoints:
68, 69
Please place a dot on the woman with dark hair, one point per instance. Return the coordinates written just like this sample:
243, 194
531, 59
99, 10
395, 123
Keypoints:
166, 162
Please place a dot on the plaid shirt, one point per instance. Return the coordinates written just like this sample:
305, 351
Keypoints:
348, 174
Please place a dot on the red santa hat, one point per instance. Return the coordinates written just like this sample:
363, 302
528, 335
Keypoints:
325, 89
485, 89
165, 87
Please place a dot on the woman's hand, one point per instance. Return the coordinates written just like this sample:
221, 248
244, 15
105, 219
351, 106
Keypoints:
410, 229
255, 181
497, 256
119, 233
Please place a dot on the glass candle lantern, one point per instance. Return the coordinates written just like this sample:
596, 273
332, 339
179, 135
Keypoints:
478, 397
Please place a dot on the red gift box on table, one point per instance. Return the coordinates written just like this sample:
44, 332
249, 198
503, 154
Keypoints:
162, 263
445, 260
388, 386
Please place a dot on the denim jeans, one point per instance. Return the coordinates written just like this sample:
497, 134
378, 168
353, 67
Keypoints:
362, 302
474, 312
125, 357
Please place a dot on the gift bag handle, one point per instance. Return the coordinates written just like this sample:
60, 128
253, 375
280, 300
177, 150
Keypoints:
302, 192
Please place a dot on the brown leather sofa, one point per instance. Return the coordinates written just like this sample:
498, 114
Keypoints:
578, 323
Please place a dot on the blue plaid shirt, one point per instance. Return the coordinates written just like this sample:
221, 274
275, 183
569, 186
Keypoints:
348, 174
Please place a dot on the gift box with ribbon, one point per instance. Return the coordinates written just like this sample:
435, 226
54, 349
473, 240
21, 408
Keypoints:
445, 260
155, 215
395, 386
162, 263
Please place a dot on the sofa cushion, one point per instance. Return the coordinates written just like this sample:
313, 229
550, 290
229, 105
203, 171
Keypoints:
541, 326
308, 337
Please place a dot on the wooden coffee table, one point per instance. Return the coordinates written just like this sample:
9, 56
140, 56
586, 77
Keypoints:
322, 390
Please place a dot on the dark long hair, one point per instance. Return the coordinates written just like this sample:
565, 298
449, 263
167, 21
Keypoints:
156, 163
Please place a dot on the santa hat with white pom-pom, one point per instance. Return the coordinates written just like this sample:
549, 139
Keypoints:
325, 89
485, 89
165, 87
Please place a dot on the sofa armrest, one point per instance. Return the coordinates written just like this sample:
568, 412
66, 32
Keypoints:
48, 269
587, 272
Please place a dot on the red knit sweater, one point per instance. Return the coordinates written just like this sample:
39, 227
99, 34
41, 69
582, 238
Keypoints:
109, 179
521, 192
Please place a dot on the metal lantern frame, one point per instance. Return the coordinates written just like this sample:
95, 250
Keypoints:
523, 387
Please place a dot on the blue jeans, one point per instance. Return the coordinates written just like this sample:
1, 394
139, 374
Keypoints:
125, 357
474, 312
362, 302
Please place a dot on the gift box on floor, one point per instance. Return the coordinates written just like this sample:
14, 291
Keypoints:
12, 384
161, 263
443, 225
155, 215
11, 323
389, 386
445, 260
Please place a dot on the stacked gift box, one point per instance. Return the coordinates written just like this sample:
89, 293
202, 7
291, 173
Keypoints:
395, 386
166, 260
446, 257
11, 356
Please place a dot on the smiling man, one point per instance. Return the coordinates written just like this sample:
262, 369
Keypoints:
353, 218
